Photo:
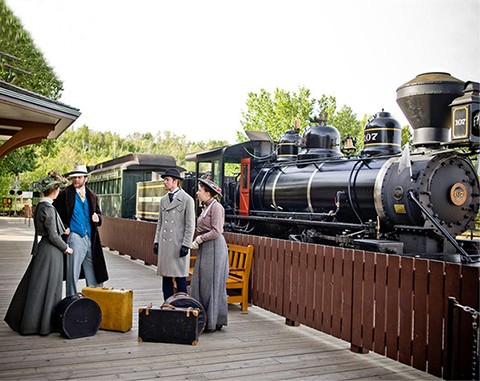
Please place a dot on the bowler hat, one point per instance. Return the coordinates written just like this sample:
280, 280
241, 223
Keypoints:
79, 170
211, 185
172, 172
48, 182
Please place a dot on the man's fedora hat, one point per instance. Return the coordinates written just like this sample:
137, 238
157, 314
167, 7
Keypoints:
79, 170
172, 172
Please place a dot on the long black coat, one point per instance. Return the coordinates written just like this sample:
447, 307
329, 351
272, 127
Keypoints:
64, 204
40, 290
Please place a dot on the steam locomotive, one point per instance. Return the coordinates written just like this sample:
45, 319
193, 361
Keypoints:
384, 199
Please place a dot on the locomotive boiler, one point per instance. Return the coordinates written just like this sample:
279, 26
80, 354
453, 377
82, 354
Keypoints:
412, 202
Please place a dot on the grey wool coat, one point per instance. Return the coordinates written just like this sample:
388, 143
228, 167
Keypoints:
175, 228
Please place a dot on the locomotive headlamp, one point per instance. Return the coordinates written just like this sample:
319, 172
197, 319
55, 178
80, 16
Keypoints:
465, 117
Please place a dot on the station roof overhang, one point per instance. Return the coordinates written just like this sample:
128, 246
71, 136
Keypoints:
28, 118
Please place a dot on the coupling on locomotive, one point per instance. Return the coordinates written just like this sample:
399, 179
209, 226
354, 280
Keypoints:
410, 202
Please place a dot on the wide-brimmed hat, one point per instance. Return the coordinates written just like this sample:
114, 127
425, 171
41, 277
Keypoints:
211, 185
172, 172
48, 182
79, 170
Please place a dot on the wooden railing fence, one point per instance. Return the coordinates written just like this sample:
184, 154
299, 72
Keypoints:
130, 237
392, 305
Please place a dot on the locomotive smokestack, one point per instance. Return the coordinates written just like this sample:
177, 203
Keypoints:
425, 102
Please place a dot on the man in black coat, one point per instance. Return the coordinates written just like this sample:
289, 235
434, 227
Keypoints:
78, 207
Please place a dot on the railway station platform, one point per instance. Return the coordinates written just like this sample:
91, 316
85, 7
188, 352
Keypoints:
256, 345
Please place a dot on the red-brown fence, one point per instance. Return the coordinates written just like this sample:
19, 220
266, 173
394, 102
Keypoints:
131, 237
395, 306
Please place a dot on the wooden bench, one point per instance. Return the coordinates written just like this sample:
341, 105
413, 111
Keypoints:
240, 263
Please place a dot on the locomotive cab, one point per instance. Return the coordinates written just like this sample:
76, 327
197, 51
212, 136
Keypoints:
224, 164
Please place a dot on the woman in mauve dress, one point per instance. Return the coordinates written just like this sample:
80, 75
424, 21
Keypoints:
208, 284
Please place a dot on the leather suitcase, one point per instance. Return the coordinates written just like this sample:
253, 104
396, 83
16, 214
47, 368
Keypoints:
116, 305
181, 299
168, 324
77, 316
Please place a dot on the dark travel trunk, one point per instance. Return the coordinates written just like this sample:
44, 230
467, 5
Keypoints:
168, 325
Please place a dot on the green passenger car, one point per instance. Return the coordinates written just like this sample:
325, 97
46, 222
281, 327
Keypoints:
115, 181
148, 199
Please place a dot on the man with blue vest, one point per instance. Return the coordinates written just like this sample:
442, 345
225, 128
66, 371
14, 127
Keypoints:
78, 207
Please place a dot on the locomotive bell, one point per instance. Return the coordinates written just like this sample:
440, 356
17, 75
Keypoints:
382, 135
425, 102
348, 145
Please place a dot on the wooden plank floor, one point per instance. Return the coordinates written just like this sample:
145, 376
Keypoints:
255, 345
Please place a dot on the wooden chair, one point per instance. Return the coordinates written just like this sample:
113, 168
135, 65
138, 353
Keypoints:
240, 262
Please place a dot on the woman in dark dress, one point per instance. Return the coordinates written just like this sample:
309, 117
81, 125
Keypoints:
210, 273
40, 289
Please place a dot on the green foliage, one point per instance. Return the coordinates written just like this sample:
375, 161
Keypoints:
276, 113
85, 146
23, 64
327, 105
31, 70
11, 166
407, 136
345, 120
20, 160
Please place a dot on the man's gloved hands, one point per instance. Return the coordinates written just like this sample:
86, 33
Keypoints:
184, 251
155, 248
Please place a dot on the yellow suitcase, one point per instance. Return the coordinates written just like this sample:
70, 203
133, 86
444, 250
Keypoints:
116, 305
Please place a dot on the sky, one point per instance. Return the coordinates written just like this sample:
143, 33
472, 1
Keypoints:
187, 66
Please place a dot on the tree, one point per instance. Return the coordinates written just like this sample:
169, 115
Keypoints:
407, 136
327, 106
85, 146
22, 63
11, 166
345, 120
276, 113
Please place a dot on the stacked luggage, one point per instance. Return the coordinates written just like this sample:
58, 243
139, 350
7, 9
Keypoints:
180, 320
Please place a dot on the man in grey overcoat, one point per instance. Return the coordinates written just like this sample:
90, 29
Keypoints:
174, 234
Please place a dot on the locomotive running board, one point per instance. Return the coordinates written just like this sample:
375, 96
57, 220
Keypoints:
297, 221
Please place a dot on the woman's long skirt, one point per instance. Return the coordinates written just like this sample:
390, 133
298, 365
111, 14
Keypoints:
38, 293
208, 284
